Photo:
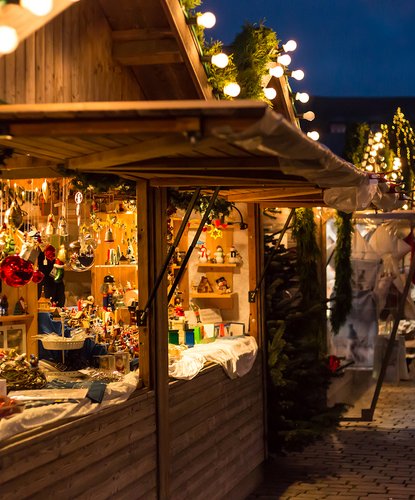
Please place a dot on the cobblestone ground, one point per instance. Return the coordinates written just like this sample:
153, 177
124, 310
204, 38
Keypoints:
360, 460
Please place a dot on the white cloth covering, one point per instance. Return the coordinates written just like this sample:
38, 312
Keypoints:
235, 354
115, 393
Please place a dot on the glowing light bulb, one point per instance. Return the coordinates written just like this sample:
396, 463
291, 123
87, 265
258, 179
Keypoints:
309, 116
302, 97
38, 7
232, 89
220, 60
394, 175
378, 136
277, 71
298, 74
314, 135
8, 39
369, 168
373, 153
206, 20
270, 93
285, 59
290, 46
405, 207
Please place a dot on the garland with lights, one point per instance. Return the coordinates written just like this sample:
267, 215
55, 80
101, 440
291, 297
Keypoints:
253, 50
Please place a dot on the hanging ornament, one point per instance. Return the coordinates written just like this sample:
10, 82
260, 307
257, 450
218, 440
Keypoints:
29, 251
50, 252
78, 200
82, 254
50, 229
62, 229
10, 245
37, 276
14, 215
45, 190
214, 232
57, 271
109, 237
15, 271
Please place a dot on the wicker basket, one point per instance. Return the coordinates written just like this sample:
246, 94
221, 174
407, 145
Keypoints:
62, 345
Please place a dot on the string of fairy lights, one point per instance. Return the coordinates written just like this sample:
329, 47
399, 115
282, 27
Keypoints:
390, 154
278, 68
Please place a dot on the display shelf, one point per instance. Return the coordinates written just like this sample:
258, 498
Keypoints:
217, 266
211, 295
16, 317
118, 266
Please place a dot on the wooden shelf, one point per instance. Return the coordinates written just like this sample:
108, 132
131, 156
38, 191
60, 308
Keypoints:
211, 295
16, 317
211, 264
118, 266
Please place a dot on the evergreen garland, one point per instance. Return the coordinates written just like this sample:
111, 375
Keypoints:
253, 50
180, 199
219, 77
103, 183
308, 254
342, 285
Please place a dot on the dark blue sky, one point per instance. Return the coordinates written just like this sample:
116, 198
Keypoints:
345, 47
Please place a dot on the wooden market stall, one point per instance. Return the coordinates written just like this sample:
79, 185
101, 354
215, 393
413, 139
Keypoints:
195, 422
170, 439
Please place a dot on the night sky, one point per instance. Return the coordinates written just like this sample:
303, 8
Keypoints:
345, 47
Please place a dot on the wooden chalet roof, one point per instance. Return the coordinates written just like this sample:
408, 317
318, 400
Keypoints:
172, 143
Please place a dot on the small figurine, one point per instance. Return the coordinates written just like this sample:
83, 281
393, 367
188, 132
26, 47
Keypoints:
4, 306
222, 285
203, 253
204, 285
107, 290
57, 271
234, 256
219, 258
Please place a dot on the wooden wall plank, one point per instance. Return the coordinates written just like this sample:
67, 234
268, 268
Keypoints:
10, 78
217, 432
30, 70
102, 457
69, 59
31, 453
40, 66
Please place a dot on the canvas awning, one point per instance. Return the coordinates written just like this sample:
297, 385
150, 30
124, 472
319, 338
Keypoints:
250, 150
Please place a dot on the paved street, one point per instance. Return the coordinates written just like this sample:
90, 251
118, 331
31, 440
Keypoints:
361, 460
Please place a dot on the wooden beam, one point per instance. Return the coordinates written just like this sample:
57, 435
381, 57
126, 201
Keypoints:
172, 144
35, 172
275, 194
53, 128
188, 47
145, 52
141, 34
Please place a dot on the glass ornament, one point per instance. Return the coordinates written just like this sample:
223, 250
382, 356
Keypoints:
16, 271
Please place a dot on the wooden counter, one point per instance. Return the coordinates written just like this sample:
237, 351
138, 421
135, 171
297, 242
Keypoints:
216, 428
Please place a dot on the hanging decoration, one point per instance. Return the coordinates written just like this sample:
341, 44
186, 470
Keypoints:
342, 287
16, 271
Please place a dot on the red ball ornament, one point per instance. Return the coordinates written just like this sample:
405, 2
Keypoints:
37, 276
50, 252
16, 271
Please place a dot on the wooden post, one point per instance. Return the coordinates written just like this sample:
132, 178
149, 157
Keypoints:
143, 277
159, 329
